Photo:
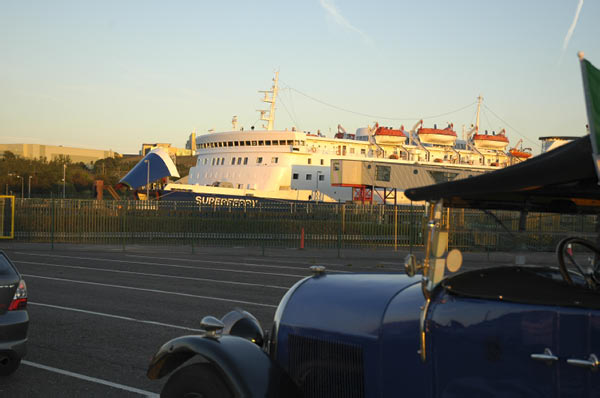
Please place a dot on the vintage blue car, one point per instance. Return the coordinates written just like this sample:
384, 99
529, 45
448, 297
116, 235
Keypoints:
510, 331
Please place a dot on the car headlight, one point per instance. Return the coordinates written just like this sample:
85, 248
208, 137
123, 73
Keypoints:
243, 324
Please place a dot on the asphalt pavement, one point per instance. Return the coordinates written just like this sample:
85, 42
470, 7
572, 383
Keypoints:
99, 313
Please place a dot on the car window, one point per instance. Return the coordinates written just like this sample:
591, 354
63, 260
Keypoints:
6, 269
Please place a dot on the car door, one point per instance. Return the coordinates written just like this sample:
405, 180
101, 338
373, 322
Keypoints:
483, 348
593, 373
579, 351
574, 344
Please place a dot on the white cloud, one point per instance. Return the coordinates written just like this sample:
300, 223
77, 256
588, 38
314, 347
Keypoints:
573, 25
339, 19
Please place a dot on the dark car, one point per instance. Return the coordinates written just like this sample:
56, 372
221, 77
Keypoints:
14, 319
510, 331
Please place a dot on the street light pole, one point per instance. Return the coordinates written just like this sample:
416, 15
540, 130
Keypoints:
29, 188
148, 180
21, 186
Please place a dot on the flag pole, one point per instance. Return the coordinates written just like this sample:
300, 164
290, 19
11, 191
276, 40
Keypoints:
588, 105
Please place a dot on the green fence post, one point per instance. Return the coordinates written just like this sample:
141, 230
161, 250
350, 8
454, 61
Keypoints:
191, 231
262, 231
52, 223
339, 245
30, 222
395, 228
411, 226
124, 212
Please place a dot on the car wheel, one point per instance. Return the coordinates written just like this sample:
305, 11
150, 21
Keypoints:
9, 363
199, 380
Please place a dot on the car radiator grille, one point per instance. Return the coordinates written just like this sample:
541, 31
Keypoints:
326, 369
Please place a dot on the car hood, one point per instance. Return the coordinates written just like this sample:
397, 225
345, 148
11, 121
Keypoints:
344, 303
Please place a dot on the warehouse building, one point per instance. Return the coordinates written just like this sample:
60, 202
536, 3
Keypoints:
52, 152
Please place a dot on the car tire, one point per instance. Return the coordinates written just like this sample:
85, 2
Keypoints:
9, 363
199, 380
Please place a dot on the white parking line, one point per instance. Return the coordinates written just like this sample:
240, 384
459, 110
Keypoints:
147, 274
310, 260
194, 260
151, 290
123, 318
162, 264
92, 379
399, 263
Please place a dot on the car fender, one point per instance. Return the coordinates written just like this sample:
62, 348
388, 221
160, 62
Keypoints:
246, 367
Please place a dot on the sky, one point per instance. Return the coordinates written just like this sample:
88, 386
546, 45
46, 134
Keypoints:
116, 74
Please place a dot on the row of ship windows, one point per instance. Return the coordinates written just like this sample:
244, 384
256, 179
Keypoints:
244, 161
237, 161
251, 143
308, 177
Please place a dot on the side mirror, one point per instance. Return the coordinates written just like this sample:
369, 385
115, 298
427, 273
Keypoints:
212, 326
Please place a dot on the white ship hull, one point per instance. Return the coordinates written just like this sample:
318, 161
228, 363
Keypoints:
221, 196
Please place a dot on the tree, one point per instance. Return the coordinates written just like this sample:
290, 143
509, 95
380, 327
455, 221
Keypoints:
8, 155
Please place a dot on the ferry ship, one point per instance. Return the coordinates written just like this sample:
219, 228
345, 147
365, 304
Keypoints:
245, 167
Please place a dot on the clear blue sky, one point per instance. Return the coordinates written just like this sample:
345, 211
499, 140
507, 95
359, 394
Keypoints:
114, 74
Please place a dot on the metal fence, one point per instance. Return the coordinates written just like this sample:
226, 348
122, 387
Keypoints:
311, 225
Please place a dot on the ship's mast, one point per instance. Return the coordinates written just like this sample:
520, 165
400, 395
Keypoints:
479, 99
270, 99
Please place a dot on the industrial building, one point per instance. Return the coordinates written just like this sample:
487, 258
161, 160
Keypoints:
52, 152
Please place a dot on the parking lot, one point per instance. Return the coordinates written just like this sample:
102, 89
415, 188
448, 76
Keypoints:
99, 313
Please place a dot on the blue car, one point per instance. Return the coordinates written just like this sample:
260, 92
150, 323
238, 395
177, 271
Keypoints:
510, 331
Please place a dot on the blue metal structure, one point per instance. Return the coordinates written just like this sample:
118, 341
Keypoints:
513, 331
155, 165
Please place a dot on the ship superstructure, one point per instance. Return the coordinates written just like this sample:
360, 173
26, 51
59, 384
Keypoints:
294, 165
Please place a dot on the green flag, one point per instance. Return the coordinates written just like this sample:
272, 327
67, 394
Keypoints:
591, 88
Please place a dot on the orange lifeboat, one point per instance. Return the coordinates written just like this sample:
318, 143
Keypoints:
520, 154
495, 141
384, 135
446, 137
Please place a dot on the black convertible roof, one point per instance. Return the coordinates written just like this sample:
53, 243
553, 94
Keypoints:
563, 180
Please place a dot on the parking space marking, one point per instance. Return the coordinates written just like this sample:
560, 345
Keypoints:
151, 290
165, 265
194, 260
124, 318
307, 262
148, 274
91, 379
